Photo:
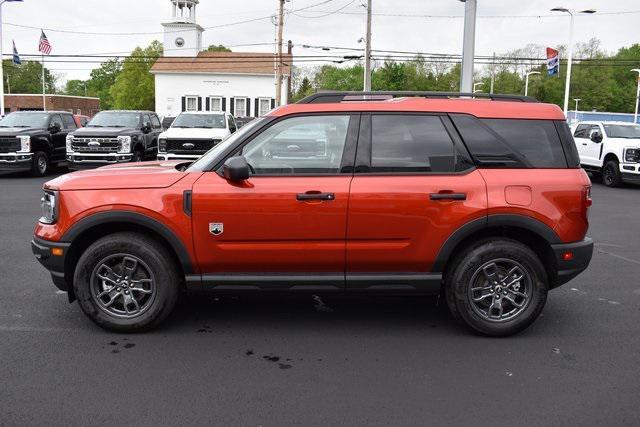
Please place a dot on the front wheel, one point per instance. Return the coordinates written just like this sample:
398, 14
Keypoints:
40, 164
611, 176
497, 287
126, 282
137, 157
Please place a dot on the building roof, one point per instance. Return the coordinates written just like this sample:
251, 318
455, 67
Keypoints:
55, 95
222, 63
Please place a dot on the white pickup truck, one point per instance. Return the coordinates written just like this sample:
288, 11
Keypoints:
193, 133
611, 149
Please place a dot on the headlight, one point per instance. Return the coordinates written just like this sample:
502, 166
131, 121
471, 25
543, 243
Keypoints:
25, 143
69, 143
49, 205
162, 145
125, 144
631, 155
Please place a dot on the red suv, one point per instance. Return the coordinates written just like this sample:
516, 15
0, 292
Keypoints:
387, 193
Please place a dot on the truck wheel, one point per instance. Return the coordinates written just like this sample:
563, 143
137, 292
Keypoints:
40, 164
126, 282
611, 176
496, 287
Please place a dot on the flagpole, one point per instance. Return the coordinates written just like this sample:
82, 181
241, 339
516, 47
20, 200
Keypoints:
44, 98
1, 67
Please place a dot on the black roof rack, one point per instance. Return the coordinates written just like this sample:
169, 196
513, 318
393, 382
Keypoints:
331, 97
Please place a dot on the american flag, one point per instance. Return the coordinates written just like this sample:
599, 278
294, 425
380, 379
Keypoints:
45, 46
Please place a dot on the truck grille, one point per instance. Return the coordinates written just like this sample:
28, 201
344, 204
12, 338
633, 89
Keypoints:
190, 146
9, 145
95, 145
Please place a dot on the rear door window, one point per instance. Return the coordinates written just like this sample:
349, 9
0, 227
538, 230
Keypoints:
411, 143
68, 121
582, 131
512, 143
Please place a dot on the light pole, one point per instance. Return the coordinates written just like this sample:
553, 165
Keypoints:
468, 45
476, 85
526, 81
1, 64
635, 115
570, 55
575, 112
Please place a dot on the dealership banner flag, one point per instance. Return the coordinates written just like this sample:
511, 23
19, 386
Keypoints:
16, 56
553, 62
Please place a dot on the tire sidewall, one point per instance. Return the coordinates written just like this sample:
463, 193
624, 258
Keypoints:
165, 275
615, 170
35, 168
460, 281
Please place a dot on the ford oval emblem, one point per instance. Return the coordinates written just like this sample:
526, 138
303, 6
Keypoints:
93, 144
188, 145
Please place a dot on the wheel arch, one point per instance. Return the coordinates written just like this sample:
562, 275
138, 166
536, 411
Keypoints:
529, 231
98, 225
610, 156
40, 143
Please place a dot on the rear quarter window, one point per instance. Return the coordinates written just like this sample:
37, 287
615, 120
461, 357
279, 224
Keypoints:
512, 143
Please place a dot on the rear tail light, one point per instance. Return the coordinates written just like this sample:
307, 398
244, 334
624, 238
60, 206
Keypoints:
587, 196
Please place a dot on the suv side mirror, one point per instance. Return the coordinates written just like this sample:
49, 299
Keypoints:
146, 128
596, 137
236, 169
54, 128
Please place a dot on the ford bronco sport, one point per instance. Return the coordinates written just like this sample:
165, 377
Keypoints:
397, 193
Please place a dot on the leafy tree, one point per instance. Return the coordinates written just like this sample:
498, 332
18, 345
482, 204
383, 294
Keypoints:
102, 79
76, 87
27, 78
134, 88
218, 48
305, 89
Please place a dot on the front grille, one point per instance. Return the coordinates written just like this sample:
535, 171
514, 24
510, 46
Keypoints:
190, 146
95, 145
9, 145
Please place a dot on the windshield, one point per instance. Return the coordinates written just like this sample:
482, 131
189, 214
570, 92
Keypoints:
201, 164
622, 131
25, 120
205, 121
116, 120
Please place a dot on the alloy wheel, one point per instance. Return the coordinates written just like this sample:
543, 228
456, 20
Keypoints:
500, 290
608, 175
123, 286
42, 164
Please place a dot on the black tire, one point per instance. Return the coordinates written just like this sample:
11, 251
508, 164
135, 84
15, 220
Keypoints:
611, 176
151, 258
463, 274
137, 156
40, 164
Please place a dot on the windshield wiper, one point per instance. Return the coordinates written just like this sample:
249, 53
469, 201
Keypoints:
95, 126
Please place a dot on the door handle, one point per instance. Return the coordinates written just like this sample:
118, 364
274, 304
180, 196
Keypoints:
448, 196
584, 143
315, 195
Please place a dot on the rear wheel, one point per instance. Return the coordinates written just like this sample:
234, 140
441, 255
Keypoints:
496, 287
40, 164
126, 282
611, 176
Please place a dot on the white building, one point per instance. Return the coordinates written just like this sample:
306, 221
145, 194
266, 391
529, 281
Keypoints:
190, 79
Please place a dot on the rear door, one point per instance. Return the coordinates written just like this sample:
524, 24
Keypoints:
286, 224
581, 136
414, 186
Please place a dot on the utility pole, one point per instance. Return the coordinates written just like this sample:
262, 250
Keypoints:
635, 115
468, 45
279, 43
367, 51
493, 73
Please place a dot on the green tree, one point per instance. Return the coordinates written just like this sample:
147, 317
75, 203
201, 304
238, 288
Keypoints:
218, 48
76, 88
102, 79
134, 88
27, 78
305, 89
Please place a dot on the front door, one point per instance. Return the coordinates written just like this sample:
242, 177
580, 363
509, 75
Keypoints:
414, 186
286, 224
58, 139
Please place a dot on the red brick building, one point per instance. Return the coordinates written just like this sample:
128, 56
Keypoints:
82, 105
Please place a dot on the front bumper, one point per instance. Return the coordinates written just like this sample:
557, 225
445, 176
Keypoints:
78, 160
567, 269
171, 156
42, 249
15, 161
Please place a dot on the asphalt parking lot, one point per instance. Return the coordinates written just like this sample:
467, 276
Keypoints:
275, 361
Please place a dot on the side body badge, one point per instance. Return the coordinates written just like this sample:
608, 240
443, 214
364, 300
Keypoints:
216, 228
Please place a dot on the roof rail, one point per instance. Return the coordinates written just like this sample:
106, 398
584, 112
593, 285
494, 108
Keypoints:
331, 97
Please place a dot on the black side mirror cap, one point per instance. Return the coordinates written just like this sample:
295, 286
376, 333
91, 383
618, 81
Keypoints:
54, 129
236, 169
596, 137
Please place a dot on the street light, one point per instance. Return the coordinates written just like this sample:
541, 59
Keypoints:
635, 115
568, 79
575, 113
475, 85
1, 64
526, 81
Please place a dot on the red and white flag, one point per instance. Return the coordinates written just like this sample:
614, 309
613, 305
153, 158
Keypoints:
553, 62
44, 47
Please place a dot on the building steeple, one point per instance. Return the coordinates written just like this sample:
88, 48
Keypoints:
182, 34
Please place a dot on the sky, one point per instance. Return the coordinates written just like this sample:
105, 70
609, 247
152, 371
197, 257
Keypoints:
431, 26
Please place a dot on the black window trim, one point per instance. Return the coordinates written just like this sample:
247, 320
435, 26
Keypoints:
348, 155
363, 152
